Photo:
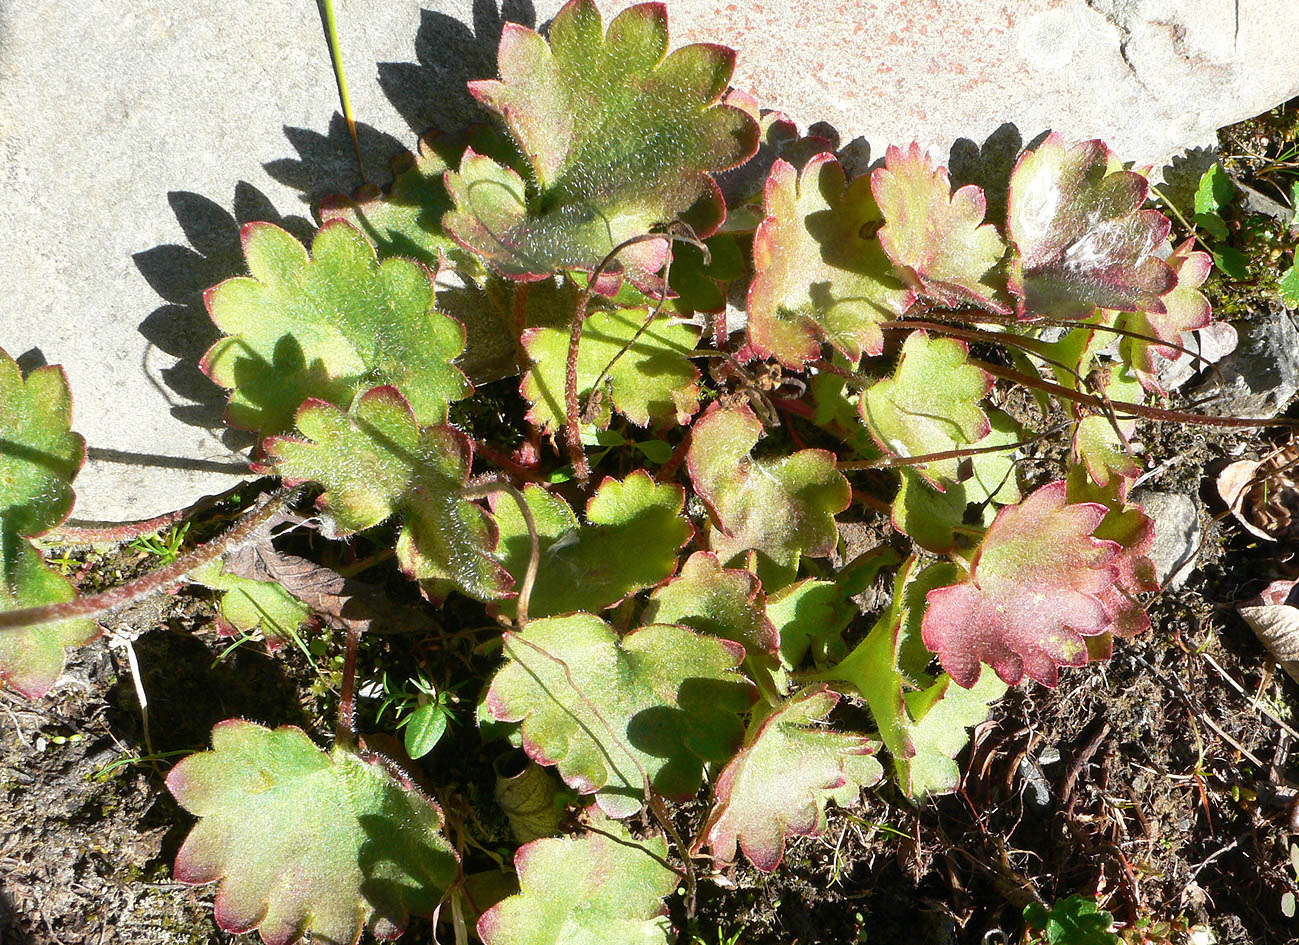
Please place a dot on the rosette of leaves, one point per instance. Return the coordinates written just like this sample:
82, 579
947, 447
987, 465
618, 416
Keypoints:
1036, 588
619, 137
633, 530
617, 715
378, 462
1081, 239
923, 721
778, 784
39, 457
328, 325
819, 273
606, 887
783, 508
306, 842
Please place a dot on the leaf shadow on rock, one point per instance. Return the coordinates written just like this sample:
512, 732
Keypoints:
326, 163
989, 165
180, 274
433, 91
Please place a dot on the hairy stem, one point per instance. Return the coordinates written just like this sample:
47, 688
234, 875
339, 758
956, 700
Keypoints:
484, 489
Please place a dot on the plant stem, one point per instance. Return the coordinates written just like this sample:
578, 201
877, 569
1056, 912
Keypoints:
125, 531
326, 8
345, 732
484, 489
106, 601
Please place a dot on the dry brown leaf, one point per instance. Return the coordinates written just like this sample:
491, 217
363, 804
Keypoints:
1274, 618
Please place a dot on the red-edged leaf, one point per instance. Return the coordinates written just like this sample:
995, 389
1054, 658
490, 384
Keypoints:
1082, 240
721, 602
819, 272
1185, 309
1035, 589
937, 238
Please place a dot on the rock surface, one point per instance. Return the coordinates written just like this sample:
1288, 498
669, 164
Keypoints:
136, 137
1177, 534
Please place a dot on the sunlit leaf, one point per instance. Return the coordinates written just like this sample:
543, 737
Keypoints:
249, 606
720, 602
1185, 309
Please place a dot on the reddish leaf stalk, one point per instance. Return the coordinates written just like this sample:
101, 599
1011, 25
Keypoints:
890, 462
483, 489
106, 601
125, 531
345, 732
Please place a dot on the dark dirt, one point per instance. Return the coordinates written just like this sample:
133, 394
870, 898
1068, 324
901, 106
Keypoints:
1149, 781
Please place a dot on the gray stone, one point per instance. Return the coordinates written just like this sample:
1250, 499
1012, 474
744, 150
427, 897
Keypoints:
1261, 376
1177, 533
136, 136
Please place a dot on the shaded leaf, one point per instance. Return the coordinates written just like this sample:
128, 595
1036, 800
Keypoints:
1033, 593
783, 508
328, 326
1082, 240
935, 237
819, 274
632, 533
619, 137
717, 601
930, 405
1274, 617
307, 842
377, 463
927, 516
606, 888
247, 606
1096, 441
651, 382
778, 784
610, 712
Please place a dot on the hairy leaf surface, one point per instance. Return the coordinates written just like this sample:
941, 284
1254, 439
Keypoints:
1034, 591
307, 842
327, 326
1082, 240
610, 712
930, 405
652, 381
379, 462
782, 508
778, 784
249, 606
935, 237
632, 533
619, 136
720, 602
593, 890
818, 274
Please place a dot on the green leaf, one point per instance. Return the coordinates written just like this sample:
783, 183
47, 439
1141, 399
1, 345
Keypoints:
39, 453
1215, 191
604, 888
39, 457
1075, 920
809, 616
248, 605
927, 516
1288, 286
379, 462
1096, 442
652, 381
923, 722
619, 136
1082, 240
783, 508
328, 326
930, 405
1233, 263
424, 728
31, 658
778, 784
716, 601
632, 533
1186, 309
935, 237
993, 476
307, 842
610, 712
818, 274
701, 286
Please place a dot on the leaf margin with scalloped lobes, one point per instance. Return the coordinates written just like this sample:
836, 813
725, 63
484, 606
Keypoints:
538, 111
592, 855
763, 846
968, 623
656, 509
914, 403
1040, 257
1185, 309
823, 186
931, 260
824, 494
567, 642
717, 601
250, 311
425, 555
660, 354
207, 785
249, 606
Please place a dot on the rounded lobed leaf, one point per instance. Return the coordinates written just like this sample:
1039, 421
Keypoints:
1185, 309
818, 275
326, 326
305, 842
718, 601
1035, 589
